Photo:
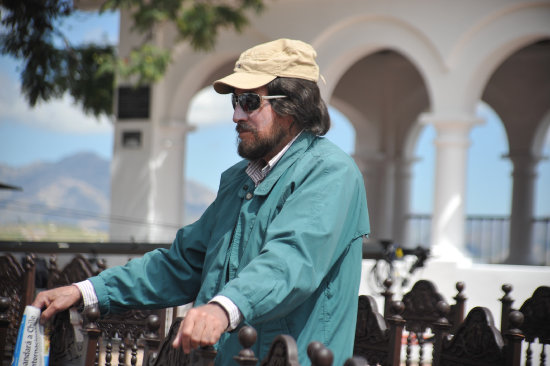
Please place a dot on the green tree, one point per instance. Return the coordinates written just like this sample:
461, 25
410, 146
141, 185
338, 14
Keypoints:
87, 72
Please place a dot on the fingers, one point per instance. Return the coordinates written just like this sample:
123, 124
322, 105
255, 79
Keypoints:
40, 301
191, 331
53, 301
202, 326
51, 309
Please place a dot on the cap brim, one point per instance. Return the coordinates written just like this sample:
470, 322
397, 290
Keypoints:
241, 80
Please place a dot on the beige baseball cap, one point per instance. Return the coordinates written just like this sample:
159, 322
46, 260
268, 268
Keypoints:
261, 64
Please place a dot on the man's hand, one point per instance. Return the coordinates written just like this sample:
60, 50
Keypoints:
56, 300
202, 326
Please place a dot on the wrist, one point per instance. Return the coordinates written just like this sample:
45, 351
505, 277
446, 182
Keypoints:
77, 294
235, 315
225, 314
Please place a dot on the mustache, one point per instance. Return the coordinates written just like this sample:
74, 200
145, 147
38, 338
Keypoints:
245, 127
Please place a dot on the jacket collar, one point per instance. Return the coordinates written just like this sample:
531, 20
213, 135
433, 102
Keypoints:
295, 151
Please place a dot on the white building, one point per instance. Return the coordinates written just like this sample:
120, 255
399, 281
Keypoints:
391, 67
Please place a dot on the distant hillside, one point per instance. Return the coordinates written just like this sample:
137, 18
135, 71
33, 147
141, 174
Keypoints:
74, 191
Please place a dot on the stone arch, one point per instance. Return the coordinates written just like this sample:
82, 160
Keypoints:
385, 93
411, 141
540, 147
368, 34
541, 131
517, 90
363, 127
351, 114
489, 143
487, 44
384, 90
195, 79
192, 71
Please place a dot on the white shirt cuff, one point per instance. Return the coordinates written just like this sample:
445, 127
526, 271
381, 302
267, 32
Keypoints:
89, 297
235, 315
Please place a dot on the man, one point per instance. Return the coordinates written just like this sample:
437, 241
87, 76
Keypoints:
280, 247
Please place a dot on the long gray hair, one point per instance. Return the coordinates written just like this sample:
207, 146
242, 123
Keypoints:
303, 103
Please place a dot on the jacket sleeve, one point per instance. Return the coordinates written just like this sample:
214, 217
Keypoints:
319, 221
162, 277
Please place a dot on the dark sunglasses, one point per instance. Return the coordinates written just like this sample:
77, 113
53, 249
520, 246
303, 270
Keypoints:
251, 101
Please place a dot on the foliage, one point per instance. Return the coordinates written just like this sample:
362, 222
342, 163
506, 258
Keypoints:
29, 32
51, 232
147, 62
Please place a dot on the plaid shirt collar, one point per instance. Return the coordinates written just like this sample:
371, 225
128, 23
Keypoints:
257, 170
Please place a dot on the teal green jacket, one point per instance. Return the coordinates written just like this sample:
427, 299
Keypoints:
287, 253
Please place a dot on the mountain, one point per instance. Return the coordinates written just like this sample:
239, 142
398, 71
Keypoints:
73, 191
197, 199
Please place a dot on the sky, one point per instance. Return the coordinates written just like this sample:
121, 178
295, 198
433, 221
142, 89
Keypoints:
58, 129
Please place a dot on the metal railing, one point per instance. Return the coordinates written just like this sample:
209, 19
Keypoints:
541, 239
487, 237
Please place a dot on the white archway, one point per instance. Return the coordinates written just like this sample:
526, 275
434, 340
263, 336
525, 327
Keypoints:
366, 35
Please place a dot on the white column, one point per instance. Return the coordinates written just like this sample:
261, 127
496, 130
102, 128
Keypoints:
130, 181
379, 193
166, 199
402, 200
147, 182
521, 228
448, 219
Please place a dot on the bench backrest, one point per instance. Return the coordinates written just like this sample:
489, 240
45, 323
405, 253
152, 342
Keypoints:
476, 341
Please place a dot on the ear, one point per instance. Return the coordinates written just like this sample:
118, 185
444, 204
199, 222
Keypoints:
287, 122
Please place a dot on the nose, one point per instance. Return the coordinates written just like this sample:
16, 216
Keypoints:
239, 114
